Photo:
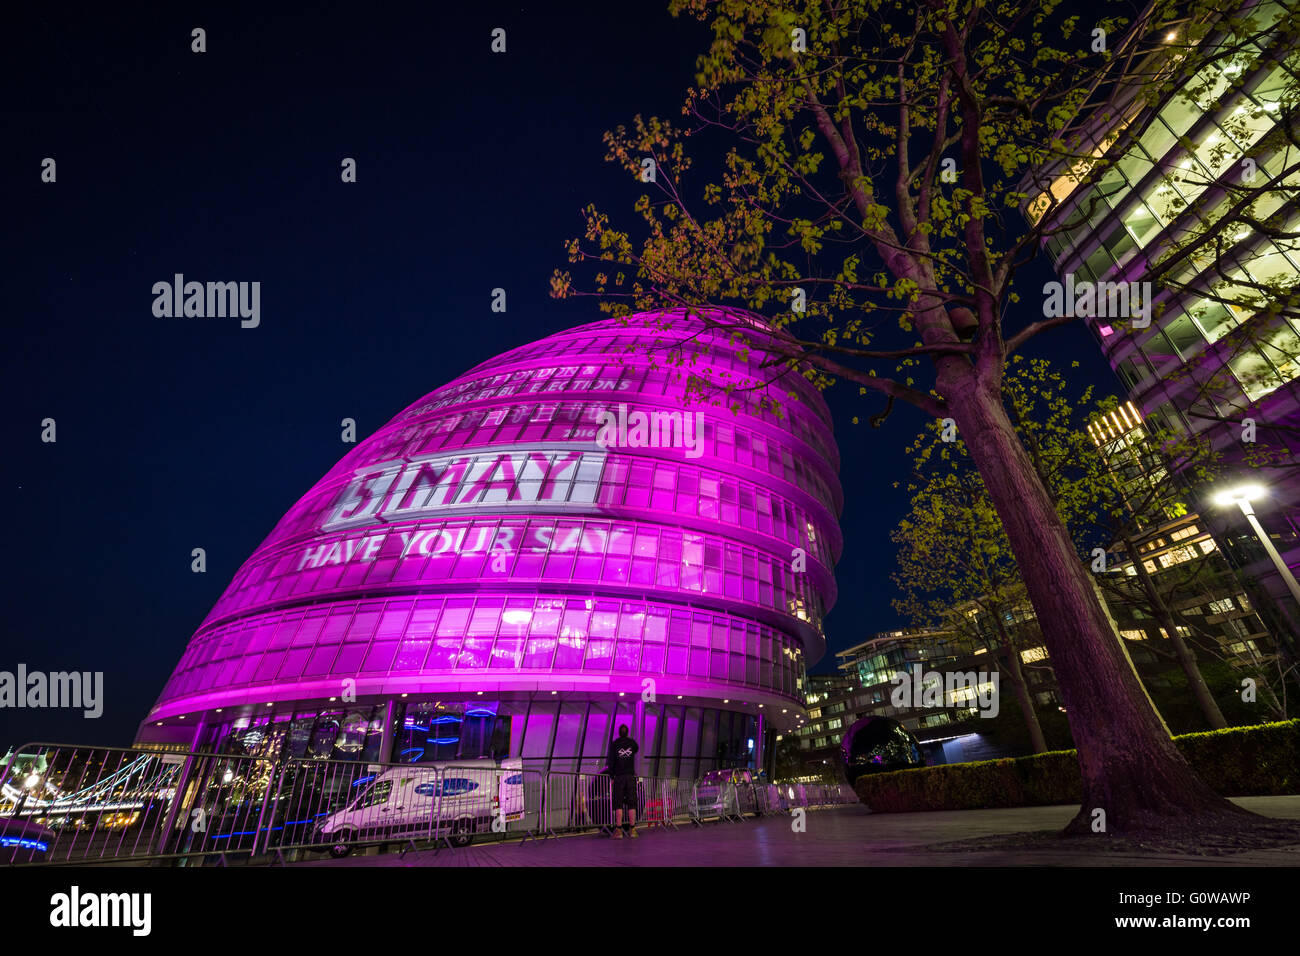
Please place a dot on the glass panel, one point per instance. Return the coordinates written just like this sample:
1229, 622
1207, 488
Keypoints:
1141, 223
1214, 319
540, 652
565, 755
380, 657
508, 651
538, 733
600, 652
349, 660
1184, 335
1157, 139
320, 661
474, 652
628, 656
1254, 372
595, 748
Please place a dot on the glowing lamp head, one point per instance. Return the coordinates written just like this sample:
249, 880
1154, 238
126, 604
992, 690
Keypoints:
1239, 494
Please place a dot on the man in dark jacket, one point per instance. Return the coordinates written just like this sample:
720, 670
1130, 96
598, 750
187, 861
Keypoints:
622, 768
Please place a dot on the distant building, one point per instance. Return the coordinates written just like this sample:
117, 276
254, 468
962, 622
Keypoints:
1179, 555
1227, 370
869, 675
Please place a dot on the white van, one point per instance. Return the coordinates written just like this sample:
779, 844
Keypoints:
460, 799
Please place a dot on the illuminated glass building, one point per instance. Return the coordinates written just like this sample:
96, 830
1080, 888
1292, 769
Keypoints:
503, 569
1180, 555
1203, 366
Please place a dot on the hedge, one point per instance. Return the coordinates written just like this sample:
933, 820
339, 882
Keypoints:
1238, 761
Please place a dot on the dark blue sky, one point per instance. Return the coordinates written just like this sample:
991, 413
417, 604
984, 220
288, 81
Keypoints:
182, 433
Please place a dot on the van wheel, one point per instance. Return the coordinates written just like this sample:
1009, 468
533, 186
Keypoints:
341, 848
462, 833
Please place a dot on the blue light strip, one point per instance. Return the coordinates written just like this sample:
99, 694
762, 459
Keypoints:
23, 842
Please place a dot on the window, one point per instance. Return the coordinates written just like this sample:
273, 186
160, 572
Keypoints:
1214, 319
1253, 371
376, 795
1141, 223
1111, 187
1157, 138
1160, 352
1185, 336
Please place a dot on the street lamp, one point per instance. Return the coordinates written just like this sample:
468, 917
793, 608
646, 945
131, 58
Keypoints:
1242, 496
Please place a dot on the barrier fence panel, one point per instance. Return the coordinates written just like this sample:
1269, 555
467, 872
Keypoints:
70, 804
485, 800
579, 801
714, 801
342, 805
682, 792
661, 802
218, 807
562, 802
339, 805
530, 823
746, 800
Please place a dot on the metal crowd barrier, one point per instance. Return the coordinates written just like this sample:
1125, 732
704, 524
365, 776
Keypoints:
715, 801
668, 802
66, 804
577, 801
341, 805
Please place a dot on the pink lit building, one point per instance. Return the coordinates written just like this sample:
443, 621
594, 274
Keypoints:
554, 543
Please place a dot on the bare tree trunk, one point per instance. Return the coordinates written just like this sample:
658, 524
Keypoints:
1129, 765
1021, 687
1036, 738
1186, 659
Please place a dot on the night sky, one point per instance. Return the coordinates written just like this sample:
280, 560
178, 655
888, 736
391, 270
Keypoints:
177, 433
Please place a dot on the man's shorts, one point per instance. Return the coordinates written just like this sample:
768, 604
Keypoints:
625, 793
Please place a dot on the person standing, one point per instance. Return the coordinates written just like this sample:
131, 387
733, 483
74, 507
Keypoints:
622, 768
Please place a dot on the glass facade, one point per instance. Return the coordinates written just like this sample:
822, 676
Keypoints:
549, 734
492, 551
1221, 360
1169, 171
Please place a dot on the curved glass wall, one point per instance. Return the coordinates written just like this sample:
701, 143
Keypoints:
496, 541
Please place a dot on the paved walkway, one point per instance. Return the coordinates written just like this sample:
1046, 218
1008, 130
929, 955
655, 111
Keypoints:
843, 836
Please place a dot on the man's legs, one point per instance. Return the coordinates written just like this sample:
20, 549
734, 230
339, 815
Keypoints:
628, 798
624, 796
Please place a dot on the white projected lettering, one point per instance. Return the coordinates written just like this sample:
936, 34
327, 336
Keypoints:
399, 490
462, 539
523, 383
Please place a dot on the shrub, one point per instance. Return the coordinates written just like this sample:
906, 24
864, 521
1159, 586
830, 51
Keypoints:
1238, 761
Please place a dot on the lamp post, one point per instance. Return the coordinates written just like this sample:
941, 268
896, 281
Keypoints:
1242, 496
